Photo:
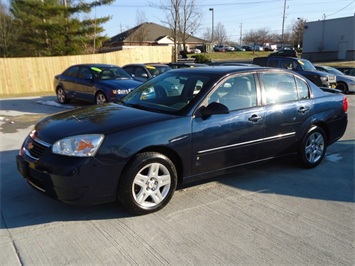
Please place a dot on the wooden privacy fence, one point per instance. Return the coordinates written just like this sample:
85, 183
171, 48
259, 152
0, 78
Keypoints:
34, 75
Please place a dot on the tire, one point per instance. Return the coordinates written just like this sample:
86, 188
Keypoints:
148, 184
100, 98
342, 87
61, 97
313, 147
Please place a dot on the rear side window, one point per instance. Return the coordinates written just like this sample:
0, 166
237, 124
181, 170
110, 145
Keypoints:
302, 87
278, 88
72, 72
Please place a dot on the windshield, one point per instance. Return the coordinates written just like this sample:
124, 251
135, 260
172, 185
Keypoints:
306, 65
168, 93
106, 73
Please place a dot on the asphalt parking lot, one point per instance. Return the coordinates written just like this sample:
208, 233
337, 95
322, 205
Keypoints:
271, 214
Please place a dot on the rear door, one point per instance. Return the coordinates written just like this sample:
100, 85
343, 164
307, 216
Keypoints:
222, 141
287, 103
85, 84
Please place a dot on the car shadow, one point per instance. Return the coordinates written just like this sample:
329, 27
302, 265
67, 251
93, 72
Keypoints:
22, 206
37, 105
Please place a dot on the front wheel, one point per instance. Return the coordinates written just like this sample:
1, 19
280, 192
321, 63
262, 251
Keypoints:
148, 184
313, 147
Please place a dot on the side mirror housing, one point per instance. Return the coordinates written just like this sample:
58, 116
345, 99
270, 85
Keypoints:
213, 108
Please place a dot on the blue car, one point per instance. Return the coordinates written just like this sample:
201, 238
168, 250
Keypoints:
94, 83
181, 126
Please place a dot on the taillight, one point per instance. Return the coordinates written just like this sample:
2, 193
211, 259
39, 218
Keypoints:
345, 104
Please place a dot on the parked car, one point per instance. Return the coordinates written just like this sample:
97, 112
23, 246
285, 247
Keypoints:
286, 51
239, 49
195, 51
219, 48
179, 127
95, 83
143, 72
350, 71
345, 83
229, 48
301, 66
247, 48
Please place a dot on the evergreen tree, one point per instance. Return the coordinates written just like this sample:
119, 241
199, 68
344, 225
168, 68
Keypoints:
53, 27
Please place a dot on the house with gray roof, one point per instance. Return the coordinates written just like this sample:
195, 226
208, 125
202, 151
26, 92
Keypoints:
148, 34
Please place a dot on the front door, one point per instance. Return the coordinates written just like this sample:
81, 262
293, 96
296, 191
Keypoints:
222, 141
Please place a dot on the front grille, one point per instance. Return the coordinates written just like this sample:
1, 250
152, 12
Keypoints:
35, 148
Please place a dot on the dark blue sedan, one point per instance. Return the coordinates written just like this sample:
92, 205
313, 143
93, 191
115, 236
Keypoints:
95, 83
181, 126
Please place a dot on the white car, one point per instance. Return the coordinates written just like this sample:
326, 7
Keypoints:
345, 83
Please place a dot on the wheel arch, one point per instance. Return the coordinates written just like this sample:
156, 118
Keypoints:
323, 126
344, 85
168, 152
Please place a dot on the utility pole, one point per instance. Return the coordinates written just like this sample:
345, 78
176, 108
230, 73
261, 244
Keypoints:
241, 34
283, 24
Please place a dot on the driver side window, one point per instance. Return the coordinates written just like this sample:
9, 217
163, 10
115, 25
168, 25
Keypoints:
236, 93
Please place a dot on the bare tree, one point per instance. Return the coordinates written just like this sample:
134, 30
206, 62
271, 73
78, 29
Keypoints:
142, 31
297, 29
190, 20
220, 33
182, 17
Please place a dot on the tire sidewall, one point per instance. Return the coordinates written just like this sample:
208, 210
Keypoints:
62, 92
97, 95
125, 195
302, 153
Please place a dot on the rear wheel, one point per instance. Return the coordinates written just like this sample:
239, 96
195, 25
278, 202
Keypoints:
313, 147
148, 184
61, 97
100, 98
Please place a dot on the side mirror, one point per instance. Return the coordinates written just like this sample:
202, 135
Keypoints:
213, 108
144, 75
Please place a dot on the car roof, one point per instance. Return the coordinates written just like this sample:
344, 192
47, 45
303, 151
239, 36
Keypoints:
224, 70
145, 64
96, 65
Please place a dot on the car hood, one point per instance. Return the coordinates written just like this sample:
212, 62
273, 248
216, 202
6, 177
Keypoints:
120, 83
96, 119
345, 78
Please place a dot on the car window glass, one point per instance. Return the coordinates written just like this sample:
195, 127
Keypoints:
169, 93
273, 63
129, 69
72, 72
279, 88
288, 64
236, 92
302, 89
140, 72
84, 73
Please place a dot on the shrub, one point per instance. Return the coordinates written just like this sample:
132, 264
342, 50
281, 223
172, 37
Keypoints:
201, 58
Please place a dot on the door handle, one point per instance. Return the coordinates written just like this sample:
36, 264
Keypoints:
303, 110
254, 118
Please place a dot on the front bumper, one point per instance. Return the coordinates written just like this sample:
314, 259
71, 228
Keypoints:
77, 181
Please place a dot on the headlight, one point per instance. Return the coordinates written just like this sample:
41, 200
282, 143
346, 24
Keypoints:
324, 78
80, 146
